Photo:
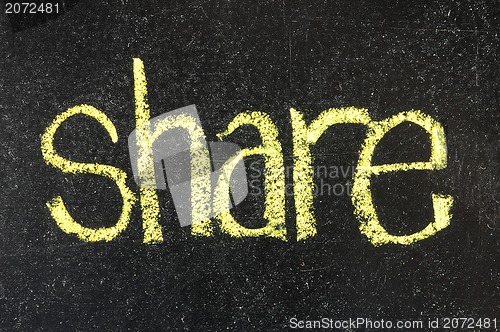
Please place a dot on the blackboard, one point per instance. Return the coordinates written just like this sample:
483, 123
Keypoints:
229, 57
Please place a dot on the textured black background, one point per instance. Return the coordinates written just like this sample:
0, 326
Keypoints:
227, 57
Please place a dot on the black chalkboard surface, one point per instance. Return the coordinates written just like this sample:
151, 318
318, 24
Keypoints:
229, 58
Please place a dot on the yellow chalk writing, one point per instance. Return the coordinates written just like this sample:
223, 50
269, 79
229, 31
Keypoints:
361, 192
274, 181
56, 206
200, 163
303, 137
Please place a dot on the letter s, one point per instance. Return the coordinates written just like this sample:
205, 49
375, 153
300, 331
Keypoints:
52, 158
